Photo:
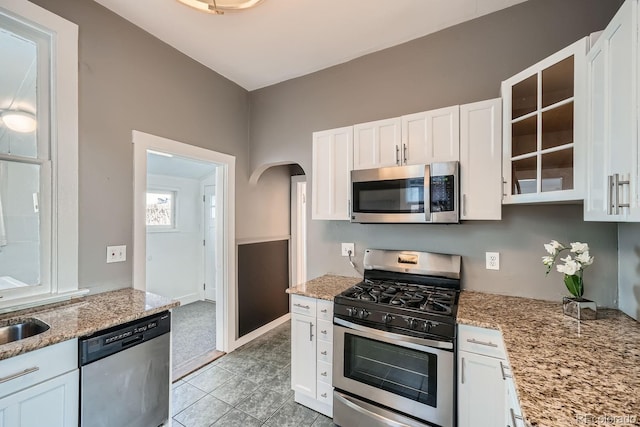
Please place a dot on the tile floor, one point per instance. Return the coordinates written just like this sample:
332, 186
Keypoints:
248, 387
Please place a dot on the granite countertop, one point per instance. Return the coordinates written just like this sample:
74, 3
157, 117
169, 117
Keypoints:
564, 370
83, 316
324, 287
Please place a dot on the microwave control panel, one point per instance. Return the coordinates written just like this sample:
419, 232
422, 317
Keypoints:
442, 193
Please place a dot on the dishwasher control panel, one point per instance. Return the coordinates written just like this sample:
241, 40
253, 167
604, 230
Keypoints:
109, 341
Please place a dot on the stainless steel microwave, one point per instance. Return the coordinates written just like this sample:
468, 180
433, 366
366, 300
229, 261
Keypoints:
406, 194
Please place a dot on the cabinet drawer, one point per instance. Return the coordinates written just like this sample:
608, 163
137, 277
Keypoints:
324, 393
303, 305
325, 310
324, 372
325, 330
325, 351
31, 368
487, 342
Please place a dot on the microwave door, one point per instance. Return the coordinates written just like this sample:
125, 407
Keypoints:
444, 187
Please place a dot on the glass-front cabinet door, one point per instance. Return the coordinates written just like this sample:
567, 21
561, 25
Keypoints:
542, 136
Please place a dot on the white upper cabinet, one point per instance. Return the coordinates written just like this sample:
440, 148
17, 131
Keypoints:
481, 160
377, 144
431, 136
331, 173
543, 129
612, 120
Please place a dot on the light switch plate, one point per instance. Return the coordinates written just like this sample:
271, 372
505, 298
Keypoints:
116, 253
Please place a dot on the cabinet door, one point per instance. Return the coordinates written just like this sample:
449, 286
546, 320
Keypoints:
303, 355
612, 132
377, 144
543, 129
431, 136
331, 173
481, 160
481, 391
55, 401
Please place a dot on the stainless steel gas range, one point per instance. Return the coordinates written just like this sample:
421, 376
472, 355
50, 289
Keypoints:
394, 337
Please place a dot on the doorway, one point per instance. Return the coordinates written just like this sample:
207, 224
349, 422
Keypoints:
184, 240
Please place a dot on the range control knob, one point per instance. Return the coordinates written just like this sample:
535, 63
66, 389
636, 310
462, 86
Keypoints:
363, 314
426, 326
351, 311
412, 323
387, 318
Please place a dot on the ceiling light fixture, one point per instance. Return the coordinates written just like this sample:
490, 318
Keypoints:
19, 121
219, 7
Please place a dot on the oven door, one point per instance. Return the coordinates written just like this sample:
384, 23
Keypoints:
407, 374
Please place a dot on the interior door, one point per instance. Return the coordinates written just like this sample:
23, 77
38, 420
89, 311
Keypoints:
210, 242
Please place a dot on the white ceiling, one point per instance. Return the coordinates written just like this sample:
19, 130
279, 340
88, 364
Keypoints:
178, 166
283, 39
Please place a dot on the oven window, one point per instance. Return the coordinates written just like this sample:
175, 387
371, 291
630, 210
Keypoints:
389, 196
406, 372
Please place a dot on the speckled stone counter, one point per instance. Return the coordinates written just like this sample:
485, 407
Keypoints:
324, 287
564, 370
83, 316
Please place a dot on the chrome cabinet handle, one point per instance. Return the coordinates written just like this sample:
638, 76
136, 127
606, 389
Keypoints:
616, 194
324, 395
515, 417
324, 353
306, 307
610, 194
324, 374
310, 331
19, 374
323, 310
504, 186
618, 187
462, 373
464, 205
404, 153
488, 344
504, 376
397, 155
324, 332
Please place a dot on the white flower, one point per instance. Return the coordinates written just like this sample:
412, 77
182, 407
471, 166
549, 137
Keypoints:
584, 258
579, 248
549, 248
570, 266
547, 260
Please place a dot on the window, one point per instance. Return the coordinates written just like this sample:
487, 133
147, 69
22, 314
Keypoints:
38, 155
161, 210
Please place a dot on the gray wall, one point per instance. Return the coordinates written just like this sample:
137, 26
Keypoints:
629, 269
131, 80
458, 65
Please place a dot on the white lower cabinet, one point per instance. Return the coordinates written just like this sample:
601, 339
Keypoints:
41, 387
484, 380
312, 353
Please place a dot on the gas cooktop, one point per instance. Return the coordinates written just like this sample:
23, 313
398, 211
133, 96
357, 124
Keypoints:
407, 293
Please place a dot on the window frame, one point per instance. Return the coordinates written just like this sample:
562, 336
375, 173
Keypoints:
174, 214
62, 159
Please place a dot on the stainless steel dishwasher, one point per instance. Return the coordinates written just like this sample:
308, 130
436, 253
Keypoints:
124, 374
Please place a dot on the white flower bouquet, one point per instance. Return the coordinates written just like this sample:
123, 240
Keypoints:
573, 264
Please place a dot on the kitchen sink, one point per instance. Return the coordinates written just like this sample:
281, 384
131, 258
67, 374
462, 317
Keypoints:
19, 331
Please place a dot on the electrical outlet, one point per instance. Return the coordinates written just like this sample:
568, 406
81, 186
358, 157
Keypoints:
346, 247
493, 261
116, 253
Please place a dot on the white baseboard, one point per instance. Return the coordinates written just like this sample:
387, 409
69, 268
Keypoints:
314, 404
262, 330
188, 299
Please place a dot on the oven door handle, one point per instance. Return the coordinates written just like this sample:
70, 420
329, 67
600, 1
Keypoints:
421, 342
381, 419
